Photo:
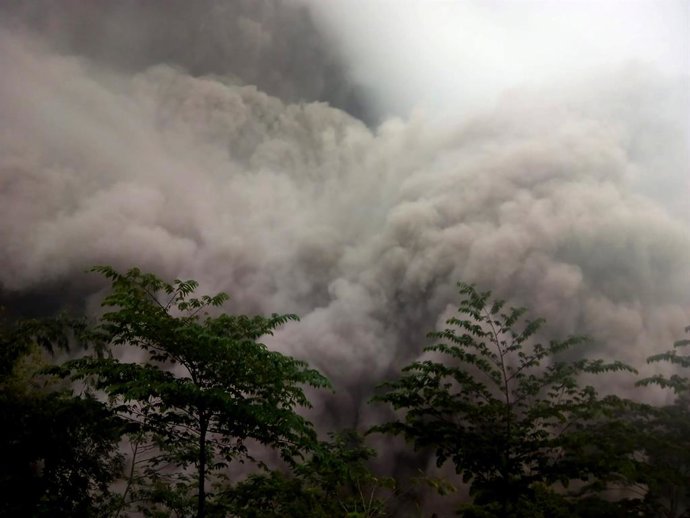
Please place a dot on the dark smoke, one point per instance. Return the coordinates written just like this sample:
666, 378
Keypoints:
272, 45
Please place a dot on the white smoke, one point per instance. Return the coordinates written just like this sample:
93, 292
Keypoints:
455, 56
572, 201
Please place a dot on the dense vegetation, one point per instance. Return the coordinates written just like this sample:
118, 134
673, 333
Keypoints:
170, 393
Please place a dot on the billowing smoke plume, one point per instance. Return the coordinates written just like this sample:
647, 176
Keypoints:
199, 143
272, 45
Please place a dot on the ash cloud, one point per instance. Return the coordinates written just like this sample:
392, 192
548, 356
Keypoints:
212, 169
273, 45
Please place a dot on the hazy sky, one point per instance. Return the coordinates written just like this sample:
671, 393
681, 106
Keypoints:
447, 55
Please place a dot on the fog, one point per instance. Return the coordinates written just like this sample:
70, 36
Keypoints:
350, 162
460, 56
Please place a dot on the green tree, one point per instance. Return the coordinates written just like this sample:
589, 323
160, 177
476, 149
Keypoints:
506, 410
667, 439
334, 481
205, 388
58, 453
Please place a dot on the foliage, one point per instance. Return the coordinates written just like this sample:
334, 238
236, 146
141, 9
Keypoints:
205, 387
59, 456
335, 481
58, 452
22, 337
667, 441
190, 389
505, 409
678, 383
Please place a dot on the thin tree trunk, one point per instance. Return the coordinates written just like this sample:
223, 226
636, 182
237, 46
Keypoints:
203, 427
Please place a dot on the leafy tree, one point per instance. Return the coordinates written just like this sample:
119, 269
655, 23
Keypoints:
59, 456
20, 338
667, 441
507, 410
58, 453
206, 387
335, 481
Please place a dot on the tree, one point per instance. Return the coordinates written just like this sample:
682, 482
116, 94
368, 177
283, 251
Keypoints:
58, 453
507, 410
335, 481
667, 440
206, 386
